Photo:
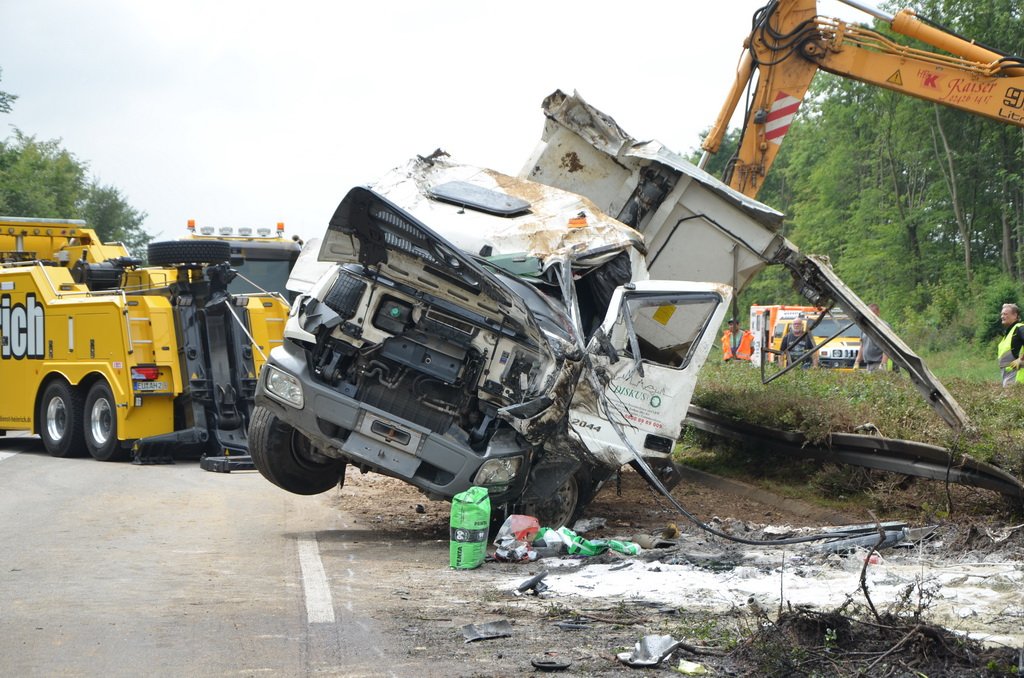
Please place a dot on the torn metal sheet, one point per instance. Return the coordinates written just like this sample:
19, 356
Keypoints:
554, 224
649, 651
695, 226
873, 540
496, 629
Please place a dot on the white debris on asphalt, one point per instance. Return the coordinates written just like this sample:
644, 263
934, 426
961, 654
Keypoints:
982, 599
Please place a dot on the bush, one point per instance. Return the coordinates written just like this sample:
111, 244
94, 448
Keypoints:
1000, 291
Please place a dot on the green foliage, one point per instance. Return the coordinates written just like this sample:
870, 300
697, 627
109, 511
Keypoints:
963, 361
1000, 291
39, 179
865, 178
43, 179
6, 99
113, 218
819, 402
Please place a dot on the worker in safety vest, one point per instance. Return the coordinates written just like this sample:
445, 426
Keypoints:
737, 343
1010, 355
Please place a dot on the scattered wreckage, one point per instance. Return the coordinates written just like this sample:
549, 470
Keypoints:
525, 334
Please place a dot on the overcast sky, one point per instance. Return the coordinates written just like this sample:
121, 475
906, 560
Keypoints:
249, 113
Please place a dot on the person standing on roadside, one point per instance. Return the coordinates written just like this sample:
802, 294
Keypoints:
1010, 358
797, 343
871, 356
737, 343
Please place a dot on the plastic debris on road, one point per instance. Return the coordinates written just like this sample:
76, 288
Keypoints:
564, 541
649, 651
514, 539
495, 629
688, 668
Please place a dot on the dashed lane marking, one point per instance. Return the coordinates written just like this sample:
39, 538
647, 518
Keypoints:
5, 455
319, 606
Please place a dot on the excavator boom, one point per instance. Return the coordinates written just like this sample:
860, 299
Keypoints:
790, 42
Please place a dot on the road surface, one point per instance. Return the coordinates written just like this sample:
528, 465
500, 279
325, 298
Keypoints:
111, 569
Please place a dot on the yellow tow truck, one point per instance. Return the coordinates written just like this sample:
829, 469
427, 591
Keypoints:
102, 355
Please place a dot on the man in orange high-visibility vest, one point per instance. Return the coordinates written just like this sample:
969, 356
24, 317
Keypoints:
737, 343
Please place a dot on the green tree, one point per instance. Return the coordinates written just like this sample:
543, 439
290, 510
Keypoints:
43, 179
106, 209
40, 179
6, 99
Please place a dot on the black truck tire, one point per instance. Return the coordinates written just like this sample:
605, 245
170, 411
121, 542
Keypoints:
60, 420
100, 416
566, 506
174, 252
283, 456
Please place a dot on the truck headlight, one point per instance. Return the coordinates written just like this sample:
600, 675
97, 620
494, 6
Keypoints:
498, 471
284, 387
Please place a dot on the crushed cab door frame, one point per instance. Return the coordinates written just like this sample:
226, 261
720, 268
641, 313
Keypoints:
646, 357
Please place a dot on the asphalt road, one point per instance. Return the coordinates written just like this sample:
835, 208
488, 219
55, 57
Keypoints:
110, 569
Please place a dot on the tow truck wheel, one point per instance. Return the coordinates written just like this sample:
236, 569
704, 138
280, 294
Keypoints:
173, 252
101, 424
286, 458
60, 420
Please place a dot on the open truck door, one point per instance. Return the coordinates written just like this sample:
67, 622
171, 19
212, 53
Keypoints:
646, 357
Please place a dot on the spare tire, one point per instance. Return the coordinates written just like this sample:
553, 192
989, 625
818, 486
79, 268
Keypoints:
173, 252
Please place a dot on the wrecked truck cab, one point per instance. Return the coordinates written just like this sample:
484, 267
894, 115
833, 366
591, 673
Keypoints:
478, 329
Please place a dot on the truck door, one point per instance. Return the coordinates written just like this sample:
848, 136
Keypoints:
646, 356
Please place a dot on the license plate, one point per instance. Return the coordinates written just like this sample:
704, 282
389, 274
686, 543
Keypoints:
151, 386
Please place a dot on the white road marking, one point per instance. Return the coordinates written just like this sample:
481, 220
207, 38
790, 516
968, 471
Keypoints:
319, 606
5, 455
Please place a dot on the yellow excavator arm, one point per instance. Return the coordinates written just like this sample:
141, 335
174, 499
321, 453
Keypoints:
790, 42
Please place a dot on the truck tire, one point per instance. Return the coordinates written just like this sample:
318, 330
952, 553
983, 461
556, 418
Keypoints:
101, 424
174, 252
60, 420
286, 458
566, 505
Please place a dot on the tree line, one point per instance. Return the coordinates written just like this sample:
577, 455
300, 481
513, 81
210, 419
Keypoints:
920, 207
42, 179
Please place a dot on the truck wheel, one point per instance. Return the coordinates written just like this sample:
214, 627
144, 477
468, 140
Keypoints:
173, 252
60, 420
286, 458
101, 424
565, 506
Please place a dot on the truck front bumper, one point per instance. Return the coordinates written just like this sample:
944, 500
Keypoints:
441, 465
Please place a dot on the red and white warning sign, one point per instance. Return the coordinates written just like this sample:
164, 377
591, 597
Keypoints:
780, 116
